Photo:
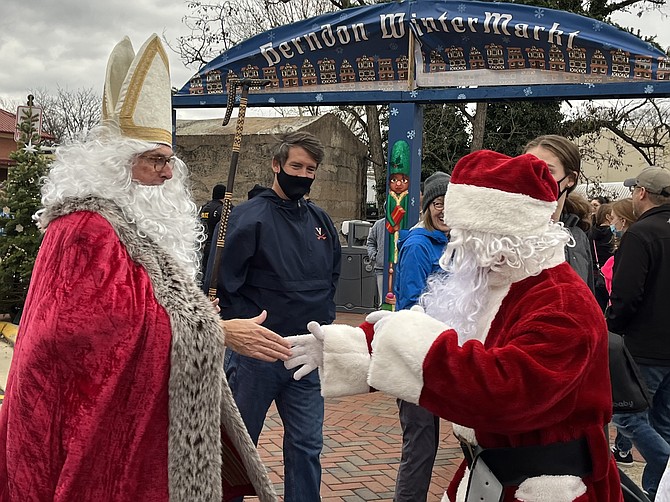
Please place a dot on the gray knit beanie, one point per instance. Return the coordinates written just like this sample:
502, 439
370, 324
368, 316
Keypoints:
435, 186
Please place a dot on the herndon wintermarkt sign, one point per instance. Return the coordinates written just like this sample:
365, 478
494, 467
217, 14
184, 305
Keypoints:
364, 52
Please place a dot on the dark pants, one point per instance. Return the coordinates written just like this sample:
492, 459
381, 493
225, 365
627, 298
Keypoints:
420, 439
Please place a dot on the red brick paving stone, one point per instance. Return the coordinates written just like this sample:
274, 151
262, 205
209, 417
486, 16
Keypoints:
362, 442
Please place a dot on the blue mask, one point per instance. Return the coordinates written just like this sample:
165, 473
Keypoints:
617, 233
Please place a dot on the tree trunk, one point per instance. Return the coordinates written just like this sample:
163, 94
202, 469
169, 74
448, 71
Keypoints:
478, 127
376, 152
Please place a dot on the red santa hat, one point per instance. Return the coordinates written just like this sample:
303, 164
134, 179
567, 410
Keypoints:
493, 193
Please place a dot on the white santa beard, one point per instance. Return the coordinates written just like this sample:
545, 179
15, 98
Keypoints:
168, 220
481, 267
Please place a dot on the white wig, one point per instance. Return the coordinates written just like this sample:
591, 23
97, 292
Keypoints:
101, 167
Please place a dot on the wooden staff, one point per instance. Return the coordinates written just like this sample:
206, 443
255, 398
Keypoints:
233, 84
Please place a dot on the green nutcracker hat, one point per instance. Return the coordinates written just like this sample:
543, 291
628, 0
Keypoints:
400, 158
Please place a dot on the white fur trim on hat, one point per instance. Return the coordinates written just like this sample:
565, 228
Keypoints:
550, 489
346, 360
400, 347
495, 211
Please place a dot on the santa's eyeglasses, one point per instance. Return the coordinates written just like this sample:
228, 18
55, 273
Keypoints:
160, 161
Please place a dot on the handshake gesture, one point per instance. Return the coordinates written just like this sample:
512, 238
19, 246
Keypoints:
308, 350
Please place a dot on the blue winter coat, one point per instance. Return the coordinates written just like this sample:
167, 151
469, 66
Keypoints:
419, 251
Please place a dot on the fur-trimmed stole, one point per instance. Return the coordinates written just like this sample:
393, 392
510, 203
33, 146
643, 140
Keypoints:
201, 405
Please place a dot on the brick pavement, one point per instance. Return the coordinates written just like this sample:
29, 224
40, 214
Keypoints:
362, 442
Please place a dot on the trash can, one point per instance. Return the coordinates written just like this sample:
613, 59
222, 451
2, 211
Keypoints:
357, 288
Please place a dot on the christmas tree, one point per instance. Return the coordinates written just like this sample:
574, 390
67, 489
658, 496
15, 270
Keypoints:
19, 200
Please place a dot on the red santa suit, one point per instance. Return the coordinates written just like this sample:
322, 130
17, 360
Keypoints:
116, 390
535, 373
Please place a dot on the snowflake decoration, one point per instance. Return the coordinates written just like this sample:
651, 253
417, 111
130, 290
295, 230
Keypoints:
607, 46
539, 13
339, 50
203, 103
505, 39
395, 111
224, 57
319, 97
590, 85
465, 38
237, 98
439, 48
411, 134
648, 89
30, 148
393, 46
597, 26
461, 96
462, 7
413, 94
271, 100
419, 152
528, 91
271, 35
412, 201
19, 228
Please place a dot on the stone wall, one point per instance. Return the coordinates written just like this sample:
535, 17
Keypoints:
340, 185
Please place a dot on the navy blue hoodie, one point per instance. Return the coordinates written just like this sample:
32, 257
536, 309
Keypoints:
282, 256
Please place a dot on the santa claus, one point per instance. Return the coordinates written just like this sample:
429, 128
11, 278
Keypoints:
512, 345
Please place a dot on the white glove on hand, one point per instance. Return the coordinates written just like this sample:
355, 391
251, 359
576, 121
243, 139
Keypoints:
379, 317
307, 351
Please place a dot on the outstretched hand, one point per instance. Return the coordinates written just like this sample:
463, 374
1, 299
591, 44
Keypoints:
307, 351
249, 338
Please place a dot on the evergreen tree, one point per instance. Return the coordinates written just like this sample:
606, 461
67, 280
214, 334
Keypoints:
19, 236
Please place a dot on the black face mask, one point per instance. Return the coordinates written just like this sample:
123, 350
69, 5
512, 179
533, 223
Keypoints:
294, 187
561, 191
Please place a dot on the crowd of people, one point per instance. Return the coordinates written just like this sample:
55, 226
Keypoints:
504, 294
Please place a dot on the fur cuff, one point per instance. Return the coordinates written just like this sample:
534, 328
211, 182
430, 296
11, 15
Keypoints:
550, 489
345, 361
399, 348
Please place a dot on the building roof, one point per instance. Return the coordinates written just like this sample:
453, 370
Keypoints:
7, 122
252, 125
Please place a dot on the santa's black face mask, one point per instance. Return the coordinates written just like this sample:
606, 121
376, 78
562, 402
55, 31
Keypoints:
294, 187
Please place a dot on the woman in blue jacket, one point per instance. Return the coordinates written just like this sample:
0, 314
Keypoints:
419, 251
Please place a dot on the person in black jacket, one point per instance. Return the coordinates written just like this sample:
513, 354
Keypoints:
282, 255
210, 214
639, 303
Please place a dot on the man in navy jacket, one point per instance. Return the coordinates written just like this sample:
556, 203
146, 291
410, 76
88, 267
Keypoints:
282, 255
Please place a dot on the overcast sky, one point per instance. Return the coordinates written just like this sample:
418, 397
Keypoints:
66, 43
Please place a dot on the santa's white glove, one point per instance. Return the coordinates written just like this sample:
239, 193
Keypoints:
307, 351
379, 317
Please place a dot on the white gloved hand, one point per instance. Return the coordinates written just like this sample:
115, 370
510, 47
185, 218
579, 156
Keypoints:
379, 317
307, 351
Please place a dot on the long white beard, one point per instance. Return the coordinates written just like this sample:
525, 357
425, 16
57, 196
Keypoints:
457, 298
167, 220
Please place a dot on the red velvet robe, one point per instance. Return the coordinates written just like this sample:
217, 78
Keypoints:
86, 412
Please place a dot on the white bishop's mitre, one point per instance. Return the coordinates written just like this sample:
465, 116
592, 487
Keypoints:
137, 95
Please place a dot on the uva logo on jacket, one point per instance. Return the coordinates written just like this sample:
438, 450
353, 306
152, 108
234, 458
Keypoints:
319, 234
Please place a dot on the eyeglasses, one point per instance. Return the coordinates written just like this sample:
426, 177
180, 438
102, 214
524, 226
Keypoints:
159, 160
632, 188
437, 205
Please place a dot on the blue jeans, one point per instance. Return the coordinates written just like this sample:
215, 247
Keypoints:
650, 429
255, 384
